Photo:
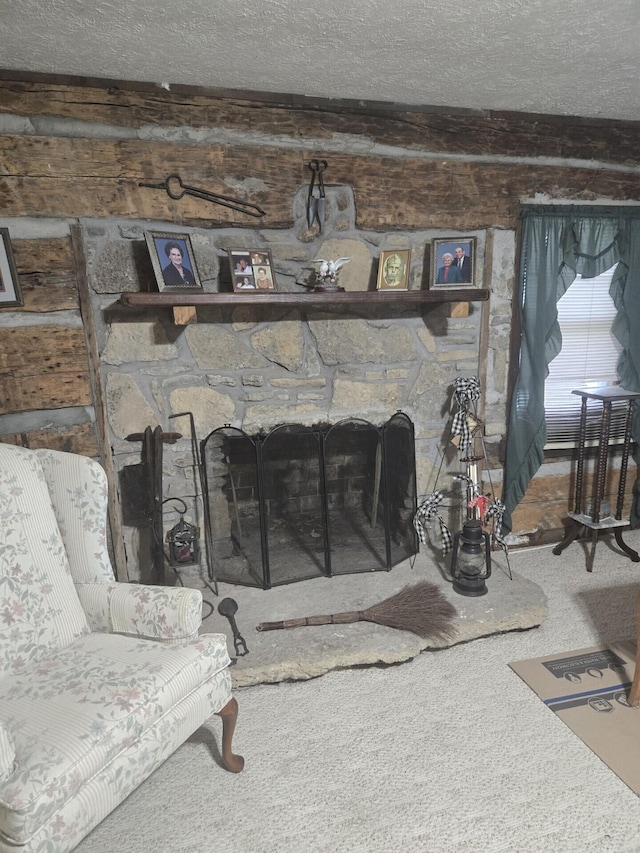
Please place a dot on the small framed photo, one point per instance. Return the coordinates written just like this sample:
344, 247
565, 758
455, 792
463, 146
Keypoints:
393, 270
251, 269
173, 261
10, 293
453, 262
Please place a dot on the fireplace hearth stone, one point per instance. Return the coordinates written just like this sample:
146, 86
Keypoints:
306, 652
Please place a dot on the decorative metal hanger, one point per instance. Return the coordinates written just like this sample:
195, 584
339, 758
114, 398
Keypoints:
176, 189
316, 204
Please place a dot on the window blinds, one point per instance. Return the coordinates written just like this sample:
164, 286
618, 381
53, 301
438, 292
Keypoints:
588, 360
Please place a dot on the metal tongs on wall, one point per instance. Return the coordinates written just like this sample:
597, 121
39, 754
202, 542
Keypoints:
176, 189
316, 204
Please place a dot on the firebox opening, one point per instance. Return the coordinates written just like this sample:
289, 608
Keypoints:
303, 502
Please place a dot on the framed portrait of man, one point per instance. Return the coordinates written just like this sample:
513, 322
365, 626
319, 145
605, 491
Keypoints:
393, 269
173, 261
453, 262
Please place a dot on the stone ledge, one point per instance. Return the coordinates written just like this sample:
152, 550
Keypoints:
307, 652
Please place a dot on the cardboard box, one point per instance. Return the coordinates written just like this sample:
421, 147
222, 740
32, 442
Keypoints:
588, 689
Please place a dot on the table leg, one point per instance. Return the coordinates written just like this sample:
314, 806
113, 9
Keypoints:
635, 557
572, 530
592, 552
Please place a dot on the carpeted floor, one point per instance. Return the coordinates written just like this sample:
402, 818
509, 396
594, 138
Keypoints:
446, 753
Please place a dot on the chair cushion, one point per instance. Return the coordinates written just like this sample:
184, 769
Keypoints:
39, 607
78, 488
77, 710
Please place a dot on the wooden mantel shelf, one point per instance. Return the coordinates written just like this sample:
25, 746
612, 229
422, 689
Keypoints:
176, 299
347, 297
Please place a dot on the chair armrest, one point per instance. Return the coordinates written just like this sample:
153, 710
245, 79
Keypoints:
7, 754
161, 613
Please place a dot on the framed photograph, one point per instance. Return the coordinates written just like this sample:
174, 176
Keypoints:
251, 269
10, 293
173, 261
453, 262
393, 269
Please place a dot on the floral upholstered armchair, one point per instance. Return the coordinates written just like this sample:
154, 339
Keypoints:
99, 681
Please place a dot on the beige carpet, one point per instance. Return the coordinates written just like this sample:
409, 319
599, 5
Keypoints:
450, 752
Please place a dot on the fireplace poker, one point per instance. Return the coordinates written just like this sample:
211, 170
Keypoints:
197, 461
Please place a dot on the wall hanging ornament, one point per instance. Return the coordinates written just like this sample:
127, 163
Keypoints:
484, 512
176, 189
316, 200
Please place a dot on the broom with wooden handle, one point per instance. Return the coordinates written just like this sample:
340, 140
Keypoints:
421, 608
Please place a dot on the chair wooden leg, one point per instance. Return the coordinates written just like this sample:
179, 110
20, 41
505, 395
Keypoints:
634, 693
229, 715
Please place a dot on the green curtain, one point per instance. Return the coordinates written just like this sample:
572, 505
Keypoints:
558, 243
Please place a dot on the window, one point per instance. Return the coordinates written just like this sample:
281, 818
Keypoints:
590, 240
588, 360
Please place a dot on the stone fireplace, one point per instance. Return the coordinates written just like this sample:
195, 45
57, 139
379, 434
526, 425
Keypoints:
257, 367
302, 502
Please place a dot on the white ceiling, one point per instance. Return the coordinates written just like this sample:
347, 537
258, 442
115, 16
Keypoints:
577, 57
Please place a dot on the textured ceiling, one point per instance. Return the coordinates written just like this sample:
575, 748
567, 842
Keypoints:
578, 57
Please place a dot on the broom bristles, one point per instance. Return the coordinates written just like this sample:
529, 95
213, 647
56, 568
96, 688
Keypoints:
421, 609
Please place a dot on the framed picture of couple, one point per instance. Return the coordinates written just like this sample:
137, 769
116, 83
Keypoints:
453, 262
251, 270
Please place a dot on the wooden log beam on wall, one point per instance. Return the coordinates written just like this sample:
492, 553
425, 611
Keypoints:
42, 367
51, 375
47, 274
76, 439
130, 105
58, 176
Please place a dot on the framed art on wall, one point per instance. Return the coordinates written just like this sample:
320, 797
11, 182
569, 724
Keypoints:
173, 261
251, 269
10, 293
393, 269
453, 261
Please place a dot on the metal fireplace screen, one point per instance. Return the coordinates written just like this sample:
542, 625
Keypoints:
305, 502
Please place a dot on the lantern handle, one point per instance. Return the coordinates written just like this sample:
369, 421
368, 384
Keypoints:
182, 511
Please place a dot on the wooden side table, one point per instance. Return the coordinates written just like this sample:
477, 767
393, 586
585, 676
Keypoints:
580, 519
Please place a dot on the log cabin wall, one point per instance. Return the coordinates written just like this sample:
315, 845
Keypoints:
73, 156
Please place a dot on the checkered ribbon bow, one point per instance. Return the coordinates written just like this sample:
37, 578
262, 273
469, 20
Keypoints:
475, 487
497, 511
426, 511
466, 392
